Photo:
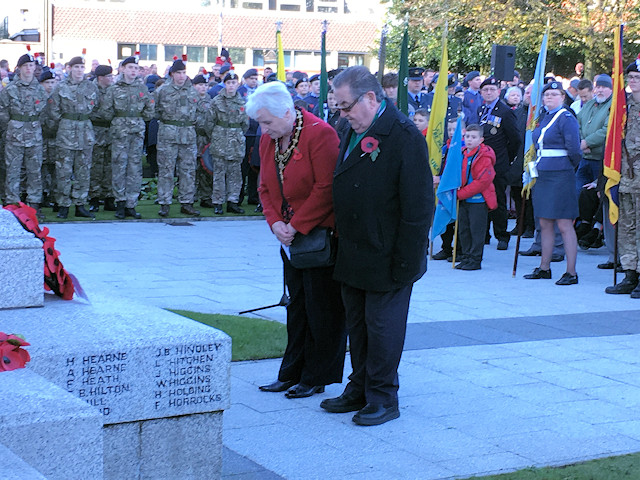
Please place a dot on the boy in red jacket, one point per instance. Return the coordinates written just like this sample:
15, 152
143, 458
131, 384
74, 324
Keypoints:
476, 196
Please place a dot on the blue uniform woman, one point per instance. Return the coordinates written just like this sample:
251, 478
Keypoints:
557, 142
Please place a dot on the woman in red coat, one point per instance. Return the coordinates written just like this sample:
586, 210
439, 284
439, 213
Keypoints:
298, 154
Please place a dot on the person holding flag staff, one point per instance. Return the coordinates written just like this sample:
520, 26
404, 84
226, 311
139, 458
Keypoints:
555, 201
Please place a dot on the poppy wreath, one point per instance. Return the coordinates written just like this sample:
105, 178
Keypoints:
56, 279
12, 355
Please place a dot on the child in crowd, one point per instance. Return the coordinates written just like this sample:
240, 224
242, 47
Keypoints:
476, 196
421, 120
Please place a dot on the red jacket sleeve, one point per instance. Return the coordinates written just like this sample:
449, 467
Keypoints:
482, 172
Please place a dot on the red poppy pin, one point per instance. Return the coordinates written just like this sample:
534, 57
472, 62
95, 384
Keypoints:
242, 109
37, 102
370, 145
297, 155
141, 94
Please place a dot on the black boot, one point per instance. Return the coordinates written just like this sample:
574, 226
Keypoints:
131, 212
83, 212
206, 203
120, 210
94, 204
217, 209
63, 212
636, 292
164, 210
110, 204
234, 208
627, 285
188, 209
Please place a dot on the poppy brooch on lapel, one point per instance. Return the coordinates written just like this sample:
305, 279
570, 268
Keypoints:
370, 145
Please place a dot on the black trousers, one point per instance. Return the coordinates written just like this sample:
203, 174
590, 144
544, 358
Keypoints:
499, 215
249, 175
447, 239
472, 226
316, 335
376, 324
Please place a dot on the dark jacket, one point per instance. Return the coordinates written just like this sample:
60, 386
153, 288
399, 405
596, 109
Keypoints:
502, 134
383, 207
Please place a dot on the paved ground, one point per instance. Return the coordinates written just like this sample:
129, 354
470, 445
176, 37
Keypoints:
499, 373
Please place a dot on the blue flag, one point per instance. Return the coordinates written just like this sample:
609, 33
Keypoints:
450, 181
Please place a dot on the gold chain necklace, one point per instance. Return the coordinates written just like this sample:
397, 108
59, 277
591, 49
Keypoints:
282, 159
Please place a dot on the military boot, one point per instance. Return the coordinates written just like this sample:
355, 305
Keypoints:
110, 204
627, 285
94, 204
636, 292
131, 212
120, 213
164, 211
188, 209
217, 209
206, 203
83, 212
234, 208
63, 212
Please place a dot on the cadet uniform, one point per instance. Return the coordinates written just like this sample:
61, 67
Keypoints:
101, 177
69, 109
418, 100
229, 122
21, 105
48, 153
176, 108
127, 106
204, 179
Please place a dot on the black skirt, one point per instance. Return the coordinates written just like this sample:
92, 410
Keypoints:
554, 194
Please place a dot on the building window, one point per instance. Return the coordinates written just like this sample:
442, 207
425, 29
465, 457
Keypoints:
350, 59
258, 58
309, 5
252, 5
238, 55
195, 54
126, 50
212, 54
287, 59
328, 9
272, 5
290, 8
148, 52
171, 51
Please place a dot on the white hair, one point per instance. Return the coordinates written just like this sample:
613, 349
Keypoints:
513, 89
272, 96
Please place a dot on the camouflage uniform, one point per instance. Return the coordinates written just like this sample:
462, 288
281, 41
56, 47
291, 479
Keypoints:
100, 180
229, 121
69, 108
629, 190
21, 106
204, 179
176, 109
128, 106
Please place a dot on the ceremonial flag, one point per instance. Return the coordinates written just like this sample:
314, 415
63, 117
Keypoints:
322, 101
450, 181
403, 73
382, 53
615, 130
437, 119
282, 75
534, 110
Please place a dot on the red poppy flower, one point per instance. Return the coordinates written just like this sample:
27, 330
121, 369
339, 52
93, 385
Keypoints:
369, 144
297, 155
12, 358
141, 94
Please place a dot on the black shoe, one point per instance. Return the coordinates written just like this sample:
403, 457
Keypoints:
442, 255
556, 257
277, 386
503, 244
110, 204
376, 414
206, 203
83, 212
588, 240
538, 273
635, 293
626, 286
460, 266
606, 266
470, 266
234, 208
583, 229
258, 209
217, 209
131, 212
528, 234
120, 210
188, 209
164, 210
568, 279
530, 253
514, 232
344, 403
302, 390
94, 205
63, 212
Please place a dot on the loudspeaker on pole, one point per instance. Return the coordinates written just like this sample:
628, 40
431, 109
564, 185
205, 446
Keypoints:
503, 61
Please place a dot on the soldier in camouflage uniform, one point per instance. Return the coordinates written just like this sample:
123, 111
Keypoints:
128, 105
100, 184
68, 111
204, 179
48, 82
176, 108
629, 192
229, 121
21, 106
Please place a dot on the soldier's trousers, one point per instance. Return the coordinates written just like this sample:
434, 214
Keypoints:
227, 180
126, 168
100, 185
16, 157
78, 164
628, 231
172, 156
204, 179
49, 167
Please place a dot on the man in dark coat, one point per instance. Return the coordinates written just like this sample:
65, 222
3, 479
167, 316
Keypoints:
501, 133
383, 202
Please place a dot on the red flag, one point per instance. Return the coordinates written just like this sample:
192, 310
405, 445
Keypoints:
615, 130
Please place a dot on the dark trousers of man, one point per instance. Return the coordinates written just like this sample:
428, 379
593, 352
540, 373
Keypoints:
376, 324
316, 335
499, 215
447, 239
249, 175
472, 225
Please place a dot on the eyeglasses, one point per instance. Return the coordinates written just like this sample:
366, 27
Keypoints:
348, 108
633, 78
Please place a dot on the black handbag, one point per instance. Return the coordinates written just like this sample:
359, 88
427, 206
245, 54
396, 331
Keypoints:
313, 250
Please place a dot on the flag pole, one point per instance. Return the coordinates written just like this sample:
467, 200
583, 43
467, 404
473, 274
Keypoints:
382, 53
455, 236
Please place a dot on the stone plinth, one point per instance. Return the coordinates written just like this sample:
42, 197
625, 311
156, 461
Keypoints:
161, 381
21, 265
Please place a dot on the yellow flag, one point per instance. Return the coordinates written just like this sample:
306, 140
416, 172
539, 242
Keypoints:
437, 119
282, 76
